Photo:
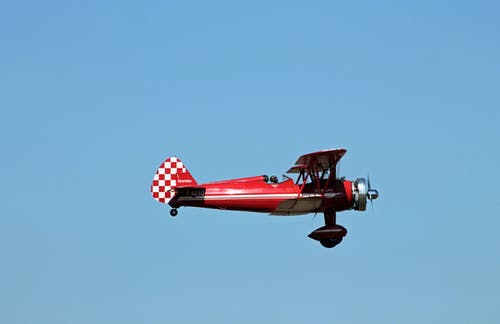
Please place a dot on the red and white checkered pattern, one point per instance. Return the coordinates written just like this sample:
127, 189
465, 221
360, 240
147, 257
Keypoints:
167, 178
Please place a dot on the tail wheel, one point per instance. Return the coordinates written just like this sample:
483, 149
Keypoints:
173, 212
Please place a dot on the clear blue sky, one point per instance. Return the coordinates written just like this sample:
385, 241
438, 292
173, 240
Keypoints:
95, 95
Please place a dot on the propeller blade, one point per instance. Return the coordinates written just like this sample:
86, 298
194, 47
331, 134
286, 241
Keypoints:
372, 194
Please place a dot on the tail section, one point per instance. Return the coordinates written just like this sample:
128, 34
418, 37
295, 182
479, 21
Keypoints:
171, 174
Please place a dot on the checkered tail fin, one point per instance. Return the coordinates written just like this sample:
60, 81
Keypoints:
171, 174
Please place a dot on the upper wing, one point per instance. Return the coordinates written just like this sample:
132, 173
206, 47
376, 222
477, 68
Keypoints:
297, 168
321, 161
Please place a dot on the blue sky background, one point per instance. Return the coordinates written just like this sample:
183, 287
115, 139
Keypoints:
94, 95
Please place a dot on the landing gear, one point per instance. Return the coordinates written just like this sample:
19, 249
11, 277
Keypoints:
331, 234
173, 212
329, 243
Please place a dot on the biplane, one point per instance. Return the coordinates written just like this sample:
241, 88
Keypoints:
317, 189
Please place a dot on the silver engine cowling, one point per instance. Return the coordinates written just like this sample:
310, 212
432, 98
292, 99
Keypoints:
361, 192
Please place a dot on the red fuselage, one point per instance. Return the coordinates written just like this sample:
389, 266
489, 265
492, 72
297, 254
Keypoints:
256, 195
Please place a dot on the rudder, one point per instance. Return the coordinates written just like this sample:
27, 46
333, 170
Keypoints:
171, 174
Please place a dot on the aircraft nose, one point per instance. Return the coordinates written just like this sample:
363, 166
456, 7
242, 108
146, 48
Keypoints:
372, 194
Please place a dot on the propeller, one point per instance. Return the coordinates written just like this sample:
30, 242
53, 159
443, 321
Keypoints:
372, 193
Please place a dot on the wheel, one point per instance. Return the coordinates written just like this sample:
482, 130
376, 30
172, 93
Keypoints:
329, 243
173, 212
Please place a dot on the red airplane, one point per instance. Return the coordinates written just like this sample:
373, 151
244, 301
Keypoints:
317, 189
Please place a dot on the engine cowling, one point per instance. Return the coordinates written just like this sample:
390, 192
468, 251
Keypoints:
361, 192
